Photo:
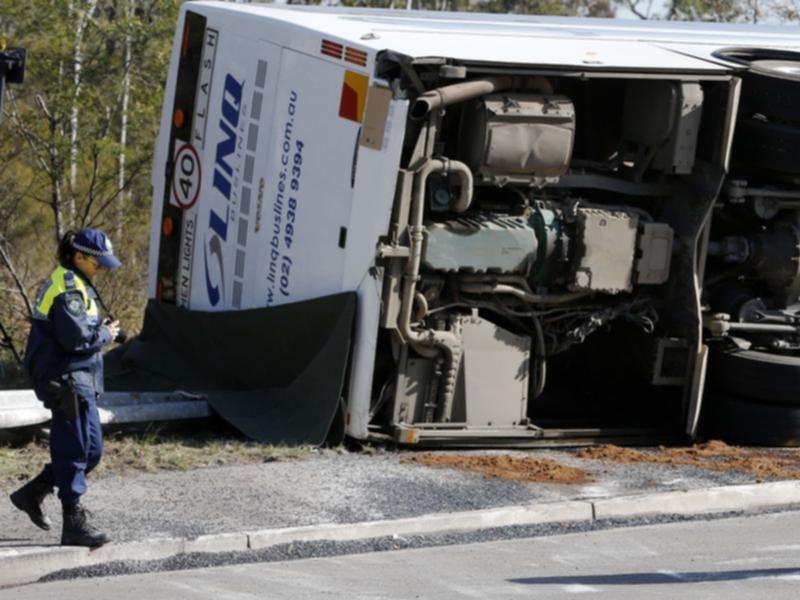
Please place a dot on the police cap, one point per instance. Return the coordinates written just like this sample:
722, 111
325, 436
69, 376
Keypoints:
96, 243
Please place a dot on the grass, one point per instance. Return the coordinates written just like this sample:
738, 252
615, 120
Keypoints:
149, 451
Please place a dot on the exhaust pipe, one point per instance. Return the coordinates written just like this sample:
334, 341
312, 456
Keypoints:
467, 90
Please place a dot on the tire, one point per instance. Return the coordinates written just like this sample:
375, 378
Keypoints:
745, 423
766, 145
772, 88
755, 376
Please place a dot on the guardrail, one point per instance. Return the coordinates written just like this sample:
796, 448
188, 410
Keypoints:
21, 408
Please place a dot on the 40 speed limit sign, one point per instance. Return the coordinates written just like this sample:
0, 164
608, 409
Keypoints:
186, 176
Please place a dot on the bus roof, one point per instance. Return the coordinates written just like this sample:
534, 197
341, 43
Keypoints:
527, 39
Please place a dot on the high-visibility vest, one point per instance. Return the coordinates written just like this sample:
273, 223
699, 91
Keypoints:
62, 280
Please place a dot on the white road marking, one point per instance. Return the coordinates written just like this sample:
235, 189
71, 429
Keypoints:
579, 588
739, 561
780, 548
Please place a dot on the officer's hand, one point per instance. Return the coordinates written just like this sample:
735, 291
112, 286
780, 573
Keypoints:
113, 329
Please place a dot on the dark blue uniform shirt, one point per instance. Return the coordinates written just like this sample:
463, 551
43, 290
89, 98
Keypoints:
67, 333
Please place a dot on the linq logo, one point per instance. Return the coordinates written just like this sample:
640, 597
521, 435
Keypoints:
217, 233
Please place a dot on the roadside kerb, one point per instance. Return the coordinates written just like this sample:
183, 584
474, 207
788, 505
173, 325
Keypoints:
220, 542
18, 566
152, 549
427, 524
695, 502
27, 564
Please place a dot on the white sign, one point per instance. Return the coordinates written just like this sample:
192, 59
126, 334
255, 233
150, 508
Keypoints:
186, 176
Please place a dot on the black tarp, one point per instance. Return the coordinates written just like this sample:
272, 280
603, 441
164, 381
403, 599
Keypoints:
274, 373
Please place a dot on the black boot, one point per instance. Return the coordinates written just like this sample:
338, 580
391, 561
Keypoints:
78, 531
29, 499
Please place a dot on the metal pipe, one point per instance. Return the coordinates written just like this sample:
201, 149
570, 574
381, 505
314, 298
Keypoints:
448, 95
463, 171
417, 231
500, 288
768, 193
428, 342
761, 328
416, 234
422, 306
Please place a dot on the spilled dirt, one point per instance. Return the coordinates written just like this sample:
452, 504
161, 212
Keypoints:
712, 456
527, 469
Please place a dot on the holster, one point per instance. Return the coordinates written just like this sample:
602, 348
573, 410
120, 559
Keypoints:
64, 398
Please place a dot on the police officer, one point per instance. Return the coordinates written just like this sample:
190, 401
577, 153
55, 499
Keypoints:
65, 366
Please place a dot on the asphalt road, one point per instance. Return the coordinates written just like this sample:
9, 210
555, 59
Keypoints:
733, 559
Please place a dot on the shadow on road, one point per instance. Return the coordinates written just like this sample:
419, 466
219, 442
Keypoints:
658, 578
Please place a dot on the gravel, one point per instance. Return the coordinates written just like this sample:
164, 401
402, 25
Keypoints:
353, 488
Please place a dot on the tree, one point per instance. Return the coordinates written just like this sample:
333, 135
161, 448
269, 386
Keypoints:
728, 11
70, 157
594, 8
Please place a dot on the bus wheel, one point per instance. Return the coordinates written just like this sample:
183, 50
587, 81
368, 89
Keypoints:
740, 421
766, 145
755, 376
772, 88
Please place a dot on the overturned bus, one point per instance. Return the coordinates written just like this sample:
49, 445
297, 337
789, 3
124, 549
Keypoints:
465, 229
